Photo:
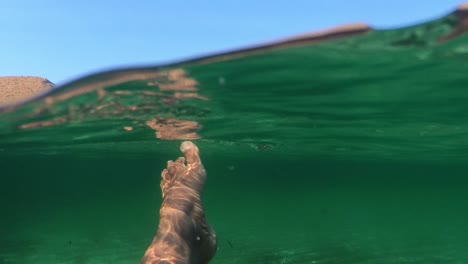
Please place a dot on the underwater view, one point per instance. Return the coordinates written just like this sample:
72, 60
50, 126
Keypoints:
347, 146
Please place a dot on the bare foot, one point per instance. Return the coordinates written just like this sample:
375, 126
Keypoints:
183, 236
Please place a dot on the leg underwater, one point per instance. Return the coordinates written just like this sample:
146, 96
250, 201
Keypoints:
183, 236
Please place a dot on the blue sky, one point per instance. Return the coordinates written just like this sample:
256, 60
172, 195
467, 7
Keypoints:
63, 40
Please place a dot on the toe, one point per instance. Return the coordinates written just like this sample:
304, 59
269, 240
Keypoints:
176, 168
191, 152
166, 175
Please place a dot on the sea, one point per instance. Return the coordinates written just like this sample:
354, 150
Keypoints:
350, 151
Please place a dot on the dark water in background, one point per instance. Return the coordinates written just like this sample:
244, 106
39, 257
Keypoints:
352, 151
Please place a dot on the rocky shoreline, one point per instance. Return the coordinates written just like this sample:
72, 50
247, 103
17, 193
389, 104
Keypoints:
15, 89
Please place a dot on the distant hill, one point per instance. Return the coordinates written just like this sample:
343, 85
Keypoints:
19, 88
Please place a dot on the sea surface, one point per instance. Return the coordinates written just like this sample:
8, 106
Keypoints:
349, 151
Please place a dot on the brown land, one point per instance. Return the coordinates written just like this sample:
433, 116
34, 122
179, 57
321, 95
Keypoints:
462, 28
339, 32
18, 88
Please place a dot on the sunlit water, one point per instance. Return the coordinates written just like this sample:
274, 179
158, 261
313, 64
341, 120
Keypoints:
353, 151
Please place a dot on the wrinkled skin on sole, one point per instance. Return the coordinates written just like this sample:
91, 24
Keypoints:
183, 236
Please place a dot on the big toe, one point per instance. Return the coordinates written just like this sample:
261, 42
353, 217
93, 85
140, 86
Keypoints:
191, 152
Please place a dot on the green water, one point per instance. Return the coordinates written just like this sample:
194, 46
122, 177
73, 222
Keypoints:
352, 151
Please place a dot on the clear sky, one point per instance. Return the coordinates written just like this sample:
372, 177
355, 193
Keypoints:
63, 40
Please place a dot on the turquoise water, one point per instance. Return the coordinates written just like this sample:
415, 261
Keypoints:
352, 151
